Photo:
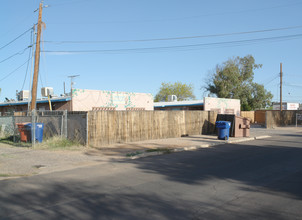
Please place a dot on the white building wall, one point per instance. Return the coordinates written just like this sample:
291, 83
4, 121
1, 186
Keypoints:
87, 100
286, 106
222, 106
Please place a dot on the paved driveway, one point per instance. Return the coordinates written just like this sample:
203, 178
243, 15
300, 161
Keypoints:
259, 179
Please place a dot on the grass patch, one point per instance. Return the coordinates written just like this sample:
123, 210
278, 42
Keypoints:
134, 154
161, 150
58, 143
6, 175
10, 141
53, 143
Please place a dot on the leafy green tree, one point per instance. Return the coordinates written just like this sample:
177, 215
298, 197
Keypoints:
234, 79
181, 90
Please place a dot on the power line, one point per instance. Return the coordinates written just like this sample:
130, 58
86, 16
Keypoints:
293, 75
183, 47
26, 70
294, 85
14, 70
177, 38
30, 53
15, 39
271, 79
20, 22
18, 53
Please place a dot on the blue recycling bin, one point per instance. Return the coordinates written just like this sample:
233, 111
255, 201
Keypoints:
38, 130
223, 129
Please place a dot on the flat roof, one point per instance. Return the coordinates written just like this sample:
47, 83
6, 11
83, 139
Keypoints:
25, 102
178, 103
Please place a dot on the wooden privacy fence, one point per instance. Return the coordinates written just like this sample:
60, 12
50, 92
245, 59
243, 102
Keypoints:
248, 114
260, 116
276, 118
109, 127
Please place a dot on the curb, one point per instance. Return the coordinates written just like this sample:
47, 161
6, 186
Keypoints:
191, 148
262, 137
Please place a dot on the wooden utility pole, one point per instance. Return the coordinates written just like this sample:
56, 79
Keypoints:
37, 61
281, 87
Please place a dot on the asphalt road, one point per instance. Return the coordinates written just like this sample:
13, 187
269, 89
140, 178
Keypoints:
259, 179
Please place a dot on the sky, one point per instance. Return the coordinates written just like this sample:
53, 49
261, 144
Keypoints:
135, 45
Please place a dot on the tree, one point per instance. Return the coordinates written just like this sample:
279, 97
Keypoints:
182, 91
234, 79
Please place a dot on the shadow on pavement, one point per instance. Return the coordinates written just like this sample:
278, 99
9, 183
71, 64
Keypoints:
75, 201
275, 165
69, 202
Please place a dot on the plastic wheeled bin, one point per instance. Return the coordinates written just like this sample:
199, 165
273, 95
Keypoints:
223, 129
38, 130
24, 132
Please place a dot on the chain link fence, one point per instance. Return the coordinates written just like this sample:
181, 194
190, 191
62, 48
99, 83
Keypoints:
18, 126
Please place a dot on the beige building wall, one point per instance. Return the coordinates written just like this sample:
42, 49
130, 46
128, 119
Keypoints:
222, 106
95, 100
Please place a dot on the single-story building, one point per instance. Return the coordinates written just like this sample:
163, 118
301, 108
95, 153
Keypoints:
179, 105
286, 106
95, 100
59, 103
86, 100
220, 105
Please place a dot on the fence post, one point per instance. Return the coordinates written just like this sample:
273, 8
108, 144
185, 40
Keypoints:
87, 129
62, 125
15, 127
33, 127
296, 119
65, 124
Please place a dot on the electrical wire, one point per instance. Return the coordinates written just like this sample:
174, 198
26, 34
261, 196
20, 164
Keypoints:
19, 23
30, 53
294, 85
42, 62
183, 47
293, 75
26, 71
14, 70
15, 38
271, 79
18, 53
177, 38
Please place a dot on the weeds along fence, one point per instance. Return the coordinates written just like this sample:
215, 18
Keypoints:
56, 123
101, 128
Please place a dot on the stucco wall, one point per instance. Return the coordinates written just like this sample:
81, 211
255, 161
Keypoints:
222, 106
87, 100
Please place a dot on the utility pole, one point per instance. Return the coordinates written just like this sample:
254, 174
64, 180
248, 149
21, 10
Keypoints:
37, 60
71, 84
281, 87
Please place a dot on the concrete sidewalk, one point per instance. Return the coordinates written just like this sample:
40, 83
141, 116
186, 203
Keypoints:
18, 161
